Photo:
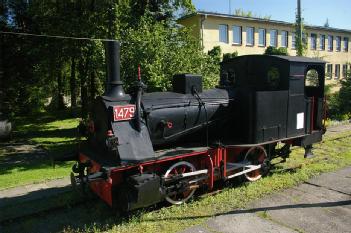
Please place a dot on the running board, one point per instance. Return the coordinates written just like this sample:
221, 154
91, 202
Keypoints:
250, 169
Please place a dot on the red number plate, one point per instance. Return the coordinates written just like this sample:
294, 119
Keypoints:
122, 113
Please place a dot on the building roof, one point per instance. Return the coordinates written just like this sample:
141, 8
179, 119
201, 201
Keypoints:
280, 57
255, 19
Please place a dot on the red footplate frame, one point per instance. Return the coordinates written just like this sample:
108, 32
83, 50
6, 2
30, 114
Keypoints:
212, 159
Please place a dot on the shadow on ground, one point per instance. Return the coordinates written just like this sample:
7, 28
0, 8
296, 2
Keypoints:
22, 154
32, 157
33, 202
93, 213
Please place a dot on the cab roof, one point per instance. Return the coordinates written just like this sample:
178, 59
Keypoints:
290, 59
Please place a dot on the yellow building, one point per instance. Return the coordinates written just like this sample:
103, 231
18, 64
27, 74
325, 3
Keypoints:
248, 35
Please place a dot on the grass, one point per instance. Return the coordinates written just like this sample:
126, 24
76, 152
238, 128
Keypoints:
54, 134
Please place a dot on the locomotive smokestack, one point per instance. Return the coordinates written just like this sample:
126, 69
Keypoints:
114, 86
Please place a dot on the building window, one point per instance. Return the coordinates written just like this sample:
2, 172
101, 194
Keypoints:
313, 41
262, 37
337, 71
329, 73
293, 40
322, 42
237, 35
330, 43
346, 44
250, 36
223, 33
284, 41
273, 41
338, 43
344, 70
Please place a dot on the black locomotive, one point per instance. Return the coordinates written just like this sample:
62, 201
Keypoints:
142, 148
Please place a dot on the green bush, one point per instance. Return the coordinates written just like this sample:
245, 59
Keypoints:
276, 51
344, 96
339, 103
228, 56
333, 106
215, 54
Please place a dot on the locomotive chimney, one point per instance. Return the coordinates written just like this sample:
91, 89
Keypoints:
114, 87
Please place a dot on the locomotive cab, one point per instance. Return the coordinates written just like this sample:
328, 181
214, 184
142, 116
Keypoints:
279, 97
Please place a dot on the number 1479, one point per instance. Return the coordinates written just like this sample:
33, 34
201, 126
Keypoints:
122, 113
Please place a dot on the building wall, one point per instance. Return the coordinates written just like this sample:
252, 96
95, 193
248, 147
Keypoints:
210, 34
332, 57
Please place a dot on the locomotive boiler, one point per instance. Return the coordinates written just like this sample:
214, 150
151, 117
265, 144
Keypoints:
143, 148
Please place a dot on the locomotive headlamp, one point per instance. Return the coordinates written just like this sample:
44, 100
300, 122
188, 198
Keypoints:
109, 133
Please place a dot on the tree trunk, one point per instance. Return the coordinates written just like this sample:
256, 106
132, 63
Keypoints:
83, 86
92, 86
60, 89
1, 76
73, 84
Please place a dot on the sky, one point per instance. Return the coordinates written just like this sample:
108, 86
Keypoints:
314, 12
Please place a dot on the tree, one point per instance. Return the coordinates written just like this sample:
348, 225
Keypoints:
39, 69
163, 51
241, 12
300, 34
43, 65
3, 16
135, 10
326, 24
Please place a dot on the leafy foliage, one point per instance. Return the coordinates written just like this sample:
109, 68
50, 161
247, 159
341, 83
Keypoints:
228, 56
300, 42
44, 72
326, 24
345, 96
163, 51
276, 51
339, 103
215, 53
241, 12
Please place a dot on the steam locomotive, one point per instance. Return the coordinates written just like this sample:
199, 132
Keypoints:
143, 148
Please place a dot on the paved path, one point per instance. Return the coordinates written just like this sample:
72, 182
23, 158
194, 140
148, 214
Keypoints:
338, 128
13, 200
321, 205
